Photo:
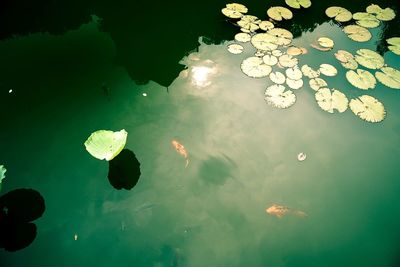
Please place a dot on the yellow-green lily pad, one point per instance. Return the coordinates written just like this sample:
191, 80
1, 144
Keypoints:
283, 36
309, 72
266, 25
270, 60
317, 83
380, 13
296, 51
235, 49
288, 61
276, 96
277, 77
249, 23
394, 45
327, 69
357, 33
326, 42
331, 100
279, 13
294, 84
264, 41
368, 108
234, 10
369, 59
346, 59
104, 144
298, 3
361, 79
366, 20
389, 77
255, 67
243, 37
340, 14
294, 73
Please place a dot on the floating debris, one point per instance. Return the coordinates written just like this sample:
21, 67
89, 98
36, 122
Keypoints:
235, 49
104, 144
394, 45
330, 100
361, 79
276, 96
368, 108
389, 77
75, 237
357, 33
181, 150
280, 211
10, 91
298, 3
369, 59
279, 13
255, 67
340, 14
301, 156
234, 10
144, 94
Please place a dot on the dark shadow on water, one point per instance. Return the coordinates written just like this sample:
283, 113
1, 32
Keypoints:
216, 170
17, 209
124, 170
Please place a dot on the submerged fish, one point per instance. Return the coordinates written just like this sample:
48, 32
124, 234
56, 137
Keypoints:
280, 211
181, 150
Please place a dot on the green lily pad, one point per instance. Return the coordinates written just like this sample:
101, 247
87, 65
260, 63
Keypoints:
277, 77
317, 83
368, 108
255, 67
357, 33
331, 100
309, 72
105, 144
369, 59
340, 14
294, 73
270, 60
394, 45
366, 20
288, 61
276, 96
283, 37
243, 37
328, 70
346, 59
235, 49
264, 41
279, 13
298, 3
381, 14
234, 10
294, 84
266, 25
361, 79
326, 42
249, 23
389, 77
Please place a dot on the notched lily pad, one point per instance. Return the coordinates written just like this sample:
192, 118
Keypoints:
380, 13
389, 77
276, 96
309, 72
277, 77
366, 20
346, 59
326, 42
340, 14
327, 70
294, 73
331, 100
294, 84
394, 45
368, 108
243, 37
288, 61
369, 59
104, 144
255, 67
298, 3
317, 83
249, 23
235, 49
266, 25
361, 79
234, 10
264, 41
296, 51
283, 36
357, 33
270, 60
279, 13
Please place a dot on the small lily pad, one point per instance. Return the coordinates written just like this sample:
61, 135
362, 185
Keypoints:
270, 60
243, 37
361, 79
389, 77
331, 100
346, 59
259, 53
235, 49
298, 3
276, 53
104, 144
283, 36
255, 67
276, 96
288, 61
249, 23
326, 42
266, 25
357, 33
277, 77
369, 59
234, 10
295, 51
294, 73
264, 41
340, 14
294, 84
317, 83
328, 70
368, 108
309, 72
366, 20
279, 13
394, 45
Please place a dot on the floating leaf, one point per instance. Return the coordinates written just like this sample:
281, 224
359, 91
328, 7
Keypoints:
327, 70
326, 42
254, 67
369, 59
243, 37
346, 59
317, 83
105, 144
249, 23
276, 53
264, 41
259, 53
270, 60
330, 100
389, 77
394, 45
366, 20
296, 51
235, 49
234, 10
266, 25
294, 84
361, 79
309, 72
338, 13
368, 108
283, 37
288, 61
294, 73
373, 9
381, 14
276, 96
277, 77
357, 33
278, 13
320, 48
298, 3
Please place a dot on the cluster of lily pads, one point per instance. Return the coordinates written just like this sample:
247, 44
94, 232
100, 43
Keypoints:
275, 57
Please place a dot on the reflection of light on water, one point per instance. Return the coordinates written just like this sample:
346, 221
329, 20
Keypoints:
201, 75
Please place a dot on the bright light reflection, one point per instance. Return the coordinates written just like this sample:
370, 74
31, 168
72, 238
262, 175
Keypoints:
201, 75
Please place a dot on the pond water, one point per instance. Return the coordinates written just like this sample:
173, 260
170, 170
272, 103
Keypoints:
242, 152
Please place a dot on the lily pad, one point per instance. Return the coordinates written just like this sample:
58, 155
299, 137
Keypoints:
328, 70
369, 59
326, 42
288, 61
346, 59
235, 49
294, 84
294, 73
380, 13
361, 79
270, 60
331, 100
340, 14
264, 41
366, 20
249, 23
394, 45
276, 53
298, 3
296, 51
234, 10
243, 37
266, 25
255, 67
104, 144
368, 108
279, 13
317, 83
283, 37
259, 53
309, 72
276, 96
389, 77
277, 77
357, 33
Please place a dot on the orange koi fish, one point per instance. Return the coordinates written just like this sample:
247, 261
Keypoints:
181, 150
280, 211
